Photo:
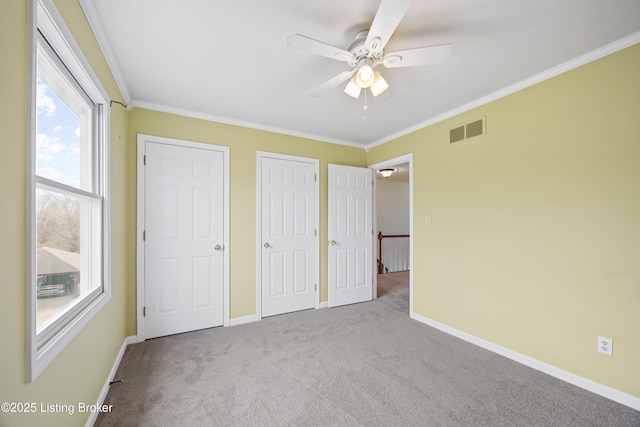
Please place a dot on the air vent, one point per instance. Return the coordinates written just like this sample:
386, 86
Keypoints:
474, 128
467, 131
456, 134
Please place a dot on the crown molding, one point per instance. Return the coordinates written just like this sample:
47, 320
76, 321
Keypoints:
94, 22
241, 123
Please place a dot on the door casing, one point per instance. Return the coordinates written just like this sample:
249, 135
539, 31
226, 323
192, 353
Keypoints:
407, 158
141, 192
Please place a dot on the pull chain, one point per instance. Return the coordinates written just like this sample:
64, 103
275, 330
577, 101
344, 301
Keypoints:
365, 107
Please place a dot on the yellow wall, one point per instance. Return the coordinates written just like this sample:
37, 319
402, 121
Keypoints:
534, 240
80, 370
244, 143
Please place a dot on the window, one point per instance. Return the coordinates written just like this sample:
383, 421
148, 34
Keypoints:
69, 256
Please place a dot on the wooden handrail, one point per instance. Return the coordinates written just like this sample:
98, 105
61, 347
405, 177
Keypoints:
384, 236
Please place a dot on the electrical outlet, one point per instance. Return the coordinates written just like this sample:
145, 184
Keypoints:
605, 346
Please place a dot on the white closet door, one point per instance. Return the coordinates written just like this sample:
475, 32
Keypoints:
184, 227
289, 248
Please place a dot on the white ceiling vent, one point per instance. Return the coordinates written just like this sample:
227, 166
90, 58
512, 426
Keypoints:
469, 130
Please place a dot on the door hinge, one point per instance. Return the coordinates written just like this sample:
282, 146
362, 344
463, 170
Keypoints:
144, 159
315, 232
144, 311
144, 235
315, 177
315, 287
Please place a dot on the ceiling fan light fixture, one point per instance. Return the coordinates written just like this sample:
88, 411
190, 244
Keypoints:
365, 76
352, 89
379, 84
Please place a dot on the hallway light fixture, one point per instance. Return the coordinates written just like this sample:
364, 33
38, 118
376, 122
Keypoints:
386, 173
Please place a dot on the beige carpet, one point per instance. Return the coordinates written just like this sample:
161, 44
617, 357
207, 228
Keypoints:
367, 364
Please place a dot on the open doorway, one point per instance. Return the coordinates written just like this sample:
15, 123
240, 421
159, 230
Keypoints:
393, 220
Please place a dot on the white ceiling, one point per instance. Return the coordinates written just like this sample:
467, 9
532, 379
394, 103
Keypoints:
228, 60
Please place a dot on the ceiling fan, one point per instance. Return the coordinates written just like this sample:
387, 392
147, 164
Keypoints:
366, 52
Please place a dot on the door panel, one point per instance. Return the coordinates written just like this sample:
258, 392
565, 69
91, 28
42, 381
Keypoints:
350, 235
169, 286
289, 245
300, 272
184, 221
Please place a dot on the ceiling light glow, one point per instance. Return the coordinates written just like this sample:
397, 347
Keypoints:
364, 76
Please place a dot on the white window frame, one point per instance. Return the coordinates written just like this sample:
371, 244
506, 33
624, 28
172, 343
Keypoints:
43, 347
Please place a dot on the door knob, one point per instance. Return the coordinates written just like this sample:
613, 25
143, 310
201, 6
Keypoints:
217, 247
333, 243
267, 245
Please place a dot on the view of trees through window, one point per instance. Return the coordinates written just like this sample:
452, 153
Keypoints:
58, 222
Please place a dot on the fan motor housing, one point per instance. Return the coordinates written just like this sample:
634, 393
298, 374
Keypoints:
360, 51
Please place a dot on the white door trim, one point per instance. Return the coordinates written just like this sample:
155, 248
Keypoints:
316, 163
142, 139
385, 164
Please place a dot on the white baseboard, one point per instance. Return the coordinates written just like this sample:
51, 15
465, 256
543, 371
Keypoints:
242, 320
589, 385
105, 388
324, 304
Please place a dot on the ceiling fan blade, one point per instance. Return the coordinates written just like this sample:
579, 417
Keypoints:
319, 48
389, 15
331, 83
419, 56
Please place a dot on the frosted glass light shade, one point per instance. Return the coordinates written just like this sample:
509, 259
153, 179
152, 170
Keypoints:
352, 88
379, 84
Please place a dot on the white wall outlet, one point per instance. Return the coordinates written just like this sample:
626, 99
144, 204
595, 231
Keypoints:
427, 220
605, 346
